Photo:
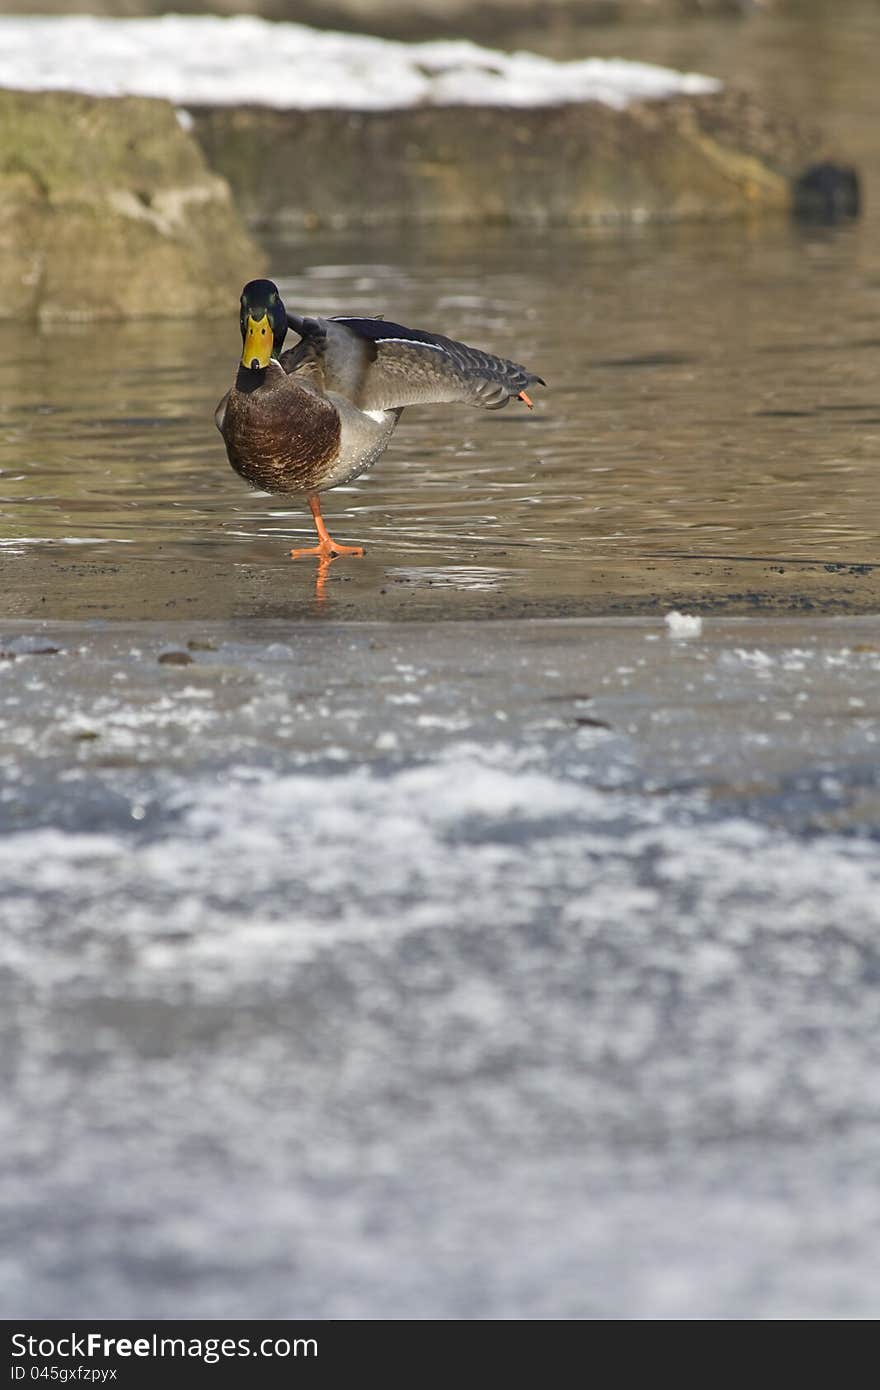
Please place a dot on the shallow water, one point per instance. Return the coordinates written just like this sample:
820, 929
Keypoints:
710, 433
712, 413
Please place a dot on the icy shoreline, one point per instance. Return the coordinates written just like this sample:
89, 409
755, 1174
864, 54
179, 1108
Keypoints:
208, 60
372, 954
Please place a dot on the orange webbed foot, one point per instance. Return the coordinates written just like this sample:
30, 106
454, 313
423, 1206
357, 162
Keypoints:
327, 548
327, 552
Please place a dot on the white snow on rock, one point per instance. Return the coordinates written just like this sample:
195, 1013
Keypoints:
683, 624
208, 60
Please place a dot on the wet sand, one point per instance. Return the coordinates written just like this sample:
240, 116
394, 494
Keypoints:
371, 590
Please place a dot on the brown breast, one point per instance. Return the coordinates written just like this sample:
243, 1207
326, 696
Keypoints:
278, 436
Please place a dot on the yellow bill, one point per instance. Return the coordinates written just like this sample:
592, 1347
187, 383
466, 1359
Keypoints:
258, 341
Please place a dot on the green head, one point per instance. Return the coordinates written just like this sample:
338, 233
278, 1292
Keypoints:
263, 323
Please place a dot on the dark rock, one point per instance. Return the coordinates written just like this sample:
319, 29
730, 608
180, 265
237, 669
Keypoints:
828, 193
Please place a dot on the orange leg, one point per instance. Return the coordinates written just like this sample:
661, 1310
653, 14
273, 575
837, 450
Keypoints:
321, 574
521, 395
325, 547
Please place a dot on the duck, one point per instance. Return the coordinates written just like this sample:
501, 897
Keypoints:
318, 415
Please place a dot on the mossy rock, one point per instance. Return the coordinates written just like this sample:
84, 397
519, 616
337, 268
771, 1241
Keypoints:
108, 209
712, 156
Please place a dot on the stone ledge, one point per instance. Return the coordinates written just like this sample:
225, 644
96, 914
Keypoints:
709, 156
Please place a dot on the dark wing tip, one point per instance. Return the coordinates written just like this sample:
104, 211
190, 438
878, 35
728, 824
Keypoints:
306, 327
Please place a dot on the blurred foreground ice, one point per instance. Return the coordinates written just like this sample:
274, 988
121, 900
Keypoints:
511, 970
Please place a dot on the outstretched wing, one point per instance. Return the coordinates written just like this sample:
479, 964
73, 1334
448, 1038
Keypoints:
383, 366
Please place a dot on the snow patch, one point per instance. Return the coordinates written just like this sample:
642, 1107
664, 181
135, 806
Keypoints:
195, 60
683, 624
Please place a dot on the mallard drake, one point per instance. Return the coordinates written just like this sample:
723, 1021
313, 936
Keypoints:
320, 414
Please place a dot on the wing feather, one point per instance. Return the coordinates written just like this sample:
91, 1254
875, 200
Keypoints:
385, 366
413, 367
